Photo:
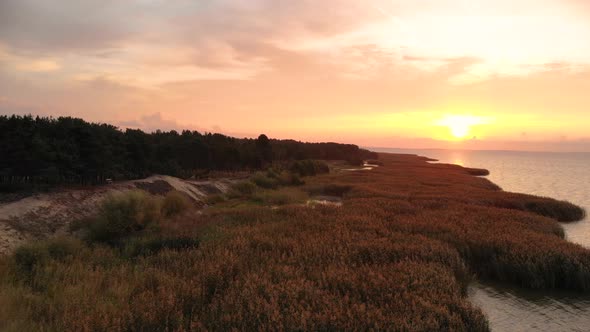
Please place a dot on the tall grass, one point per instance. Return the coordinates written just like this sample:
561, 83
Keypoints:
398, 255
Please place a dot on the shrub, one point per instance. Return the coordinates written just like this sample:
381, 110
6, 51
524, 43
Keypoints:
264, 181
174, 203
310, 167
242, 189
28, 258
287, 178
62, 247
272, 173
122, 214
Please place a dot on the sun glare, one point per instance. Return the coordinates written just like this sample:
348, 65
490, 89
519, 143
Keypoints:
460, 125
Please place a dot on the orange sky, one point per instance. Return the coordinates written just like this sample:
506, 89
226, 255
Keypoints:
427, 73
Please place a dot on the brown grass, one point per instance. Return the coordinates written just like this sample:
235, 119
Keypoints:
396, 256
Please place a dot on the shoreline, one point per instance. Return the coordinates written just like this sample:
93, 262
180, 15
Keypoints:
405, 227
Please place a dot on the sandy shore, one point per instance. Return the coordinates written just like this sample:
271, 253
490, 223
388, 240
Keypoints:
50, 214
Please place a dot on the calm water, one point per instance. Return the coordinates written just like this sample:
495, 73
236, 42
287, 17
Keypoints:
559, 175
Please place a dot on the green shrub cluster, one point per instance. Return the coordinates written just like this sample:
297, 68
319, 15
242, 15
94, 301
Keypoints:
122, 214
309, 167
175, 203
29, 258
242, 189
265, 181
272, 179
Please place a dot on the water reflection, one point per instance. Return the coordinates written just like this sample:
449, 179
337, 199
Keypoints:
514, 309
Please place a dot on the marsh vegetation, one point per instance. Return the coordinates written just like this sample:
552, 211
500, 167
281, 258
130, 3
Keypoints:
398, 255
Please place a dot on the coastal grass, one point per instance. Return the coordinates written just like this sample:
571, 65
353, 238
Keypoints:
397, 255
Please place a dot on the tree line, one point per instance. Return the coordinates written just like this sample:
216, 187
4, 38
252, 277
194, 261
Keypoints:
67, 150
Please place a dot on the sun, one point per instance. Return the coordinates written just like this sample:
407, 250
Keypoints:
460, 126
459, 130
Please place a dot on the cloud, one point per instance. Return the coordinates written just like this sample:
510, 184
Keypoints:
46, 26
148, 43
153, 122
292, 68
25, 63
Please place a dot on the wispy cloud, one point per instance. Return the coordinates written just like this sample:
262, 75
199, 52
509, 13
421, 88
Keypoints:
252, 64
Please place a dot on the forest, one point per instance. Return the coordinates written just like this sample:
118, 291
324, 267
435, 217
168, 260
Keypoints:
44, 151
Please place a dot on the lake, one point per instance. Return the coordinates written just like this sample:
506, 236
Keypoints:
563, 176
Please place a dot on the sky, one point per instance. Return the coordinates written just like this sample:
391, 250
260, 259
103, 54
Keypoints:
499, 74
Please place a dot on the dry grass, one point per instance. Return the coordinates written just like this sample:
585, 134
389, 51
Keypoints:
396, 256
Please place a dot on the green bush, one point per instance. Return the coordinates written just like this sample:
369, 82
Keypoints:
272, 173
290, 179
27, 258
264, 181
62, 247
175, 203
242, 189
122, 214
310, 167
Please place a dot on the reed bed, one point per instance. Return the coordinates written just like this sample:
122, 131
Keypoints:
397, 255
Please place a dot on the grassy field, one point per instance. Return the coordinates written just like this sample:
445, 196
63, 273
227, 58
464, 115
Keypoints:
397, 255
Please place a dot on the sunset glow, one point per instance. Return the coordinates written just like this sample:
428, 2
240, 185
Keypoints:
460, 125
377, 73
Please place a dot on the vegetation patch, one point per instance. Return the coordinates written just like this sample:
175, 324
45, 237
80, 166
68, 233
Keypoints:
329, 189
397, 255
309, 167
151, 246
560, 210
43, 152
477, 171
242, 189
265, 181
123, 214
175, 203
281, 196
